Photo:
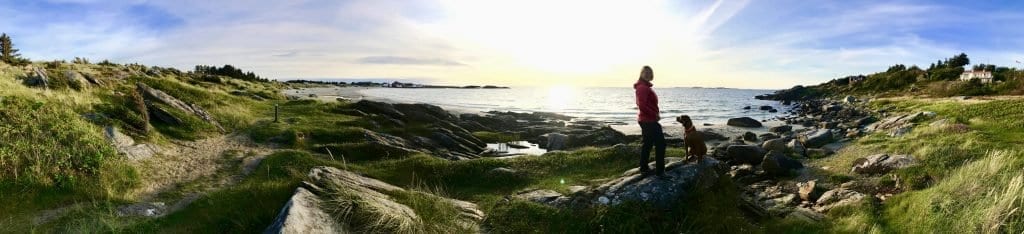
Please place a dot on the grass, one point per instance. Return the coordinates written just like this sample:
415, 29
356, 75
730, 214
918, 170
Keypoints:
968, 179
38, 169
53, 154
493, 137
248, 207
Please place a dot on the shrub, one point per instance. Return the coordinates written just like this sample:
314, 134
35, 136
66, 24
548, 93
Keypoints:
35, 147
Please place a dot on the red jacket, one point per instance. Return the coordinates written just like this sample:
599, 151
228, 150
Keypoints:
646, 102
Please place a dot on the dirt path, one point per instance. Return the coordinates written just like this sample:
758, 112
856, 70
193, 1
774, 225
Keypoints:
185, 162
181, 173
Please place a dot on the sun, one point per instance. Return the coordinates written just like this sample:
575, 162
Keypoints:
563, 37
560, 97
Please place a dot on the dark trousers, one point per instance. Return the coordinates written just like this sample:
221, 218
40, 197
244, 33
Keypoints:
653, 136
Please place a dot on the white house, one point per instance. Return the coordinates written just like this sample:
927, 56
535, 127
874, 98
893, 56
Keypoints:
984, 76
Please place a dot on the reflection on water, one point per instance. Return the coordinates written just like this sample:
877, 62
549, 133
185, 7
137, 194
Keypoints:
516, 148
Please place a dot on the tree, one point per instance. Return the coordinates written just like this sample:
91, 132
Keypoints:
959, 60
8, 53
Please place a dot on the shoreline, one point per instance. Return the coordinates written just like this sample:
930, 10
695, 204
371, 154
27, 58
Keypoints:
672, 129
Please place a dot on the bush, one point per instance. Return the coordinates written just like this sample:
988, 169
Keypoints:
35, 147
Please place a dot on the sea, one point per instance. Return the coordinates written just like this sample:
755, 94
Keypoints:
615, 106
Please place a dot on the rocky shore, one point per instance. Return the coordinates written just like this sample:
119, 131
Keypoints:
770, 168
768, 163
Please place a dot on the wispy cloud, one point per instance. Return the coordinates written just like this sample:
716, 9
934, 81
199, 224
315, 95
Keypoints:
743, 43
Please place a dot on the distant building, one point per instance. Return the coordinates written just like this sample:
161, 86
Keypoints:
984, 76
856, 79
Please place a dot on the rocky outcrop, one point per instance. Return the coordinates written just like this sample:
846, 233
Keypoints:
303, 214
347, 194
152, 95
710, 135
817, 138
775, 163
378, 107
126, 145
882, 163
389, 143
900, 125
556, 141
632, 186
76, 80
744, 154
745, 122
604, 136
37, 77
781, 129
809, 191
837, 197
660, 192
778, 145
796, 147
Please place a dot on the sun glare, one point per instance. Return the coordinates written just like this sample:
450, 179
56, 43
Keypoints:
560, 97
587, 39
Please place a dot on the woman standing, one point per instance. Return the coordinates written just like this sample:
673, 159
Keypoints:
647, 103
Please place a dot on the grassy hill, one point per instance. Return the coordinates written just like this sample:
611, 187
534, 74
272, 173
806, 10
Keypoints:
941, 79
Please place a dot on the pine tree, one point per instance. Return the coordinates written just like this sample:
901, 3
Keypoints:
8, 53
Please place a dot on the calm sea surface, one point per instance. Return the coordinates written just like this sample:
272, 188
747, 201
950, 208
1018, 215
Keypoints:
613, 105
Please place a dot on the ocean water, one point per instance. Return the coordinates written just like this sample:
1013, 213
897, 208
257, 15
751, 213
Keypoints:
612, 105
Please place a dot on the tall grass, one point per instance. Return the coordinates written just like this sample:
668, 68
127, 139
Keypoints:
969, 176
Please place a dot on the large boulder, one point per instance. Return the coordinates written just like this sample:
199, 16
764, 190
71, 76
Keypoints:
746, 122
710, 135
126, 145
663, 193
749, 136
356, 195
605, 136
556, 141
817, 138
781, 129
808, 191
38, 77
797, 147
776, 163
778, 145
882, 163
76, 80
744, 154
156, 96
303, 214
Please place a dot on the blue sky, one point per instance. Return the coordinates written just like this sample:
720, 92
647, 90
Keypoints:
748, 44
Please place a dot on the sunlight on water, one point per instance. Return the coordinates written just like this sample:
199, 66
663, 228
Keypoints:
560, 97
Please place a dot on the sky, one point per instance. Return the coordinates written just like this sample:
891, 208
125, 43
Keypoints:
730, 43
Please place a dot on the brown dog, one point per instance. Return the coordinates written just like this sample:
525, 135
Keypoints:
693, 141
